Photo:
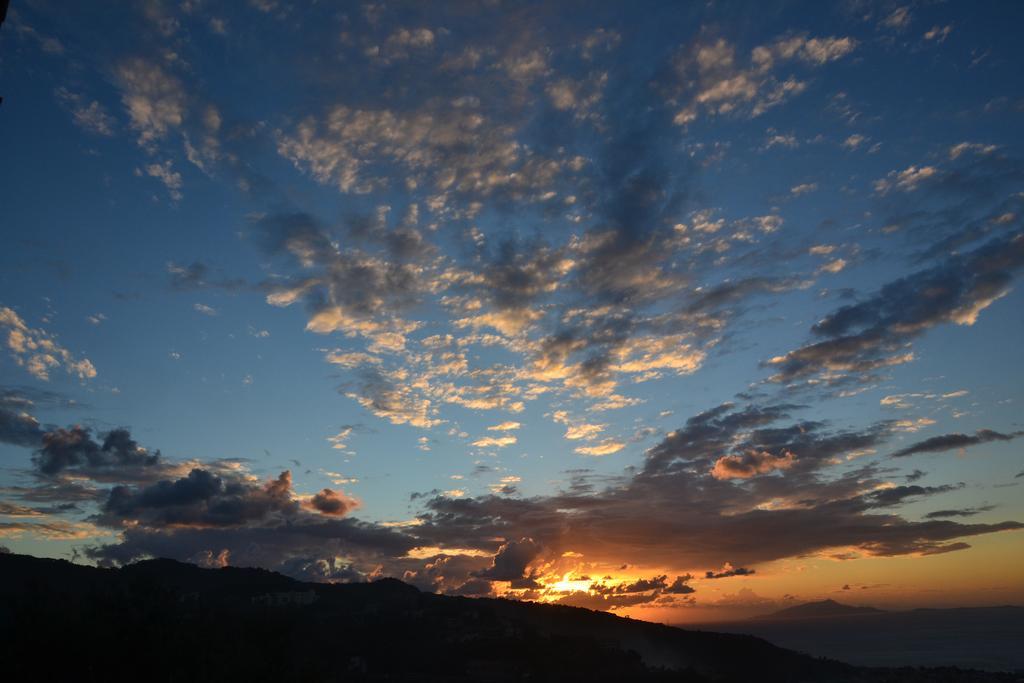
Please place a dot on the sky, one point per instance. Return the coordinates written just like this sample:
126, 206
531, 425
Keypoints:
687, 311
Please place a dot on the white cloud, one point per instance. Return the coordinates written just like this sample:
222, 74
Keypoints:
907, 180
166, 174
898, 19
958, 150
495, 441
504, 427
38, 352
154, 99
340, 440
938, 33
583, 430
606, 447
204, 309
90, 116
833, 266
854, 141
713, 79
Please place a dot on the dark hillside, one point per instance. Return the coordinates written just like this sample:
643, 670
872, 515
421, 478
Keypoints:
165, 621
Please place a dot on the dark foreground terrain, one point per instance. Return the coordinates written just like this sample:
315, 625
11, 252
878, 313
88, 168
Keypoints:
165, 621
990, 638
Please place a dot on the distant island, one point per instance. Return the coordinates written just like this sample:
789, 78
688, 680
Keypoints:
823, 608
986, 638
161, 620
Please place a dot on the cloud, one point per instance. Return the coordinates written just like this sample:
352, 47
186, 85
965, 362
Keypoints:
154, 99
898, 19
854, 141
393, 400
166, 174
90, 116
896, 495
271, 545
328, 502
348, 289
520, 226
38, 352
504, 426
938, 33
55, 530
403, 43
728, 570
17, 427
511, 561
605, 447
751, 463
204, 309
958, 150
223, 512
714, 80
494, 441
907, 180
74, 449
948, 442
605, 596
198, 275
448, 146
673, 507
960, 512
861, 338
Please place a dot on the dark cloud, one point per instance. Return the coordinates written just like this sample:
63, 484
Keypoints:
680, 586
16, 510
201, 499
604, 596
974, 197
345, 282
27, 398
656, 585
728, 571
709, 434
674, 508
19, 428
270, 544
55, 491
948, 442
961, 512
475, 588
199, 275
322, 570
641, 191
898, 494
511, 561
671, 508
439, 573
861, 338
727, 293
17, 425
75, 449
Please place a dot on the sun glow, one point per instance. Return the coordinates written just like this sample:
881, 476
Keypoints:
568, 584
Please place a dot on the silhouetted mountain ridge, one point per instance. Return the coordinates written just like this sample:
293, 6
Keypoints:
161, 620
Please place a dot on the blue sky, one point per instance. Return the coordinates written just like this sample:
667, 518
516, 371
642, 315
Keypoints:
532, 291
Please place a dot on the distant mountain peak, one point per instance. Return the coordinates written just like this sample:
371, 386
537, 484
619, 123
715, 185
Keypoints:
821, 608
